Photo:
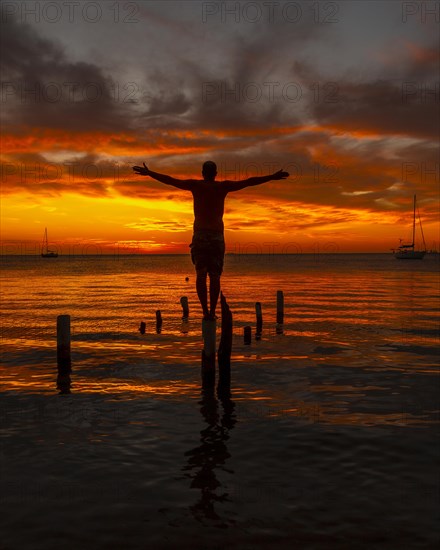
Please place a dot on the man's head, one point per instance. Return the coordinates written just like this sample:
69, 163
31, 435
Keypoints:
209, 170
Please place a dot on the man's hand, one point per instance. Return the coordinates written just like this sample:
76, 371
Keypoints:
142, 171
186, 185
280, 175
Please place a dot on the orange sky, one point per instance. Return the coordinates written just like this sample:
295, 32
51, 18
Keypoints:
357, 144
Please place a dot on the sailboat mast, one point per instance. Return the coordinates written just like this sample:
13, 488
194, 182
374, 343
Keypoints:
421, 230
414, 221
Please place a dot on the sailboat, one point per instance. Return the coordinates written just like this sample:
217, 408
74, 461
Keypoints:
407, 251
46, 253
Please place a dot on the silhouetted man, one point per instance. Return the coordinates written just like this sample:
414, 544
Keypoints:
208, 243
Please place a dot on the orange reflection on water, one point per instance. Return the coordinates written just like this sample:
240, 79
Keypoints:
350, 333
131, 389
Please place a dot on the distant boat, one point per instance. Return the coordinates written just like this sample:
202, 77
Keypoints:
46, 252
407, 251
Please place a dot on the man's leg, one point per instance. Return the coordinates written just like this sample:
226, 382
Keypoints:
214, 291
202, 291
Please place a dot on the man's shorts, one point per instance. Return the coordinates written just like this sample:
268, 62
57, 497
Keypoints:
208, 251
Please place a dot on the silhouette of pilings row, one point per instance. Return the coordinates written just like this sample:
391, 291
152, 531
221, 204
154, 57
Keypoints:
64, 362
247, 330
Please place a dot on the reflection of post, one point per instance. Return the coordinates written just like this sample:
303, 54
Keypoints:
64, 381
63, 353
225, 348
208, 352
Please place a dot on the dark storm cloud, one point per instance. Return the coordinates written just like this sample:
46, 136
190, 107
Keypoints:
405, 103
264, 83
238, 79
381, 107
41, 88
176, 104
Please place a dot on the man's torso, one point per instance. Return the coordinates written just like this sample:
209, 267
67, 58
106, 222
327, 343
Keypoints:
209, 205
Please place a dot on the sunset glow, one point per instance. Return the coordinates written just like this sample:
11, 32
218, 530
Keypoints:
358, 139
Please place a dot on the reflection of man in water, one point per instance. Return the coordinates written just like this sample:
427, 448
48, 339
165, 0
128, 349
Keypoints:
211, 455
208, 243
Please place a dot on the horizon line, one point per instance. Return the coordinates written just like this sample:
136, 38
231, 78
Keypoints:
227, 254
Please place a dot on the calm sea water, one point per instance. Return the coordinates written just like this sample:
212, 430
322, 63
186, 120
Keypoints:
329, 438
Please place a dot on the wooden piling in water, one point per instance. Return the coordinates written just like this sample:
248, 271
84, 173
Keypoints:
64, 362
158, 321
280, 307
259, 315
142, 327
185, 307
247, 333
225, 348
63, 341
280, 311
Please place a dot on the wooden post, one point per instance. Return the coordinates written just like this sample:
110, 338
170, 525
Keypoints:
280, 307
184, 304
63, 341
64, 362
247, 331
208, 352
280, 311
224, 349
142, 327
158, 321
259, 314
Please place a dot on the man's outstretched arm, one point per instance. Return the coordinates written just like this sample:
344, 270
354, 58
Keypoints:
257, 180
163, 178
